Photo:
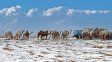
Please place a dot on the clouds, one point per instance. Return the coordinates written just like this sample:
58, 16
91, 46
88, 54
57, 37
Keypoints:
70, 12
105, 12
10, 11
30, 12
50, 11
61, 10
89, 12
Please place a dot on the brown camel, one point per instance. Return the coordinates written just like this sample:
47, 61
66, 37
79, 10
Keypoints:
42, 34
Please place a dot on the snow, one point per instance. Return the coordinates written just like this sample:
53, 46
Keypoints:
71, 50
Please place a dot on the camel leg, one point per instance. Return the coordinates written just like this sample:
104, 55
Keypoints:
82, 37
61, 37
41, 37
46, 37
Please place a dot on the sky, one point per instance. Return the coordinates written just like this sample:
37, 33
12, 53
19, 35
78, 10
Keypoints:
37, 15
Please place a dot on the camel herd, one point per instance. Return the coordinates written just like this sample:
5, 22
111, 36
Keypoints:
44, 35
86, 34
54, 34
21, 34
94, 33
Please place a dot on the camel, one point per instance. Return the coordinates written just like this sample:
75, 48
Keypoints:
8, 35
65, 34
26, 35
55, 34
19, 34
16, 37
77, 34
110, 35
104, 35
86, 33
95, 32
42, 34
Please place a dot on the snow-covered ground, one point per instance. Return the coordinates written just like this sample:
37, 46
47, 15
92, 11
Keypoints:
55, 51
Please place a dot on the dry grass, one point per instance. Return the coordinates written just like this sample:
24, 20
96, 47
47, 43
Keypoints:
97, 46
109, 46
9, 49
59, 56
108, 53
59, 60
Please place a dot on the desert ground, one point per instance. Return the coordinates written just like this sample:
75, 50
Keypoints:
71, 50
